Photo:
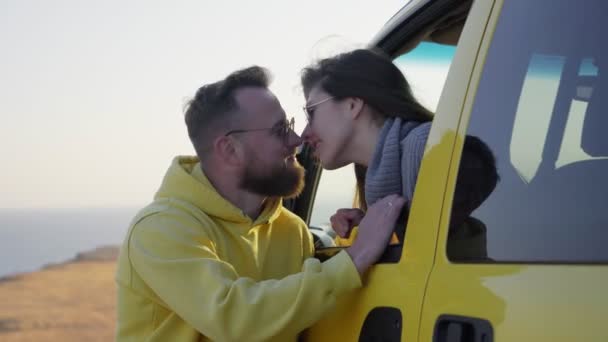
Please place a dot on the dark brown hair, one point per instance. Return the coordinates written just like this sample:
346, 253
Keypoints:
214, 102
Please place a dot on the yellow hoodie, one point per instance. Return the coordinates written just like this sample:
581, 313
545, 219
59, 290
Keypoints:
194, 267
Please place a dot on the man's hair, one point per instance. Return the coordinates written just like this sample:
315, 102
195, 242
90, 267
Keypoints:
477, 175
214, 103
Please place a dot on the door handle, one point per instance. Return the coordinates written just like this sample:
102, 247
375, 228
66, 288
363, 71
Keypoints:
451, 328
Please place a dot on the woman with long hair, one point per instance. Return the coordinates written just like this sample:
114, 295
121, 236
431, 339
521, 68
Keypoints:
361, 110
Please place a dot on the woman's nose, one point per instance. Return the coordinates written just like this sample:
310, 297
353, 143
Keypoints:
306, 133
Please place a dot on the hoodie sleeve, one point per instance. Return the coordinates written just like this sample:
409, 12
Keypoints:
180, 264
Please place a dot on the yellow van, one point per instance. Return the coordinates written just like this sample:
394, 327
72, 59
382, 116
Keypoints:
530, 79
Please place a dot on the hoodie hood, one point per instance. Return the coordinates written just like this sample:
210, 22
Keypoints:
186, 181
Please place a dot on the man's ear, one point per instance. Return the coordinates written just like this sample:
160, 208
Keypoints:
229, 150
355, 106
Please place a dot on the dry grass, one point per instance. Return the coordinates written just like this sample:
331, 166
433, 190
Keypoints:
70, 302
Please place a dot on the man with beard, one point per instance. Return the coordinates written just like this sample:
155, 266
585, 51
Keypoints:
215, 256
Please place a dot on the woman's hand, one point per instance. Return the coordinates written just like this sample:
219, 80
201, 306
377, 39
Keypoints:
375, 230
345, 219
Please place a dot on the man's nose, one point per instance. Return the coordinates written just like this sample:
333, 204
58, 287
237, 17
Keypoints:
294, 140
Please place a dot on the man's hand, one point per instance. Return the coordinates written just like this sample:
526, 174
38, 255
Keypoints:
345, 219
375, 230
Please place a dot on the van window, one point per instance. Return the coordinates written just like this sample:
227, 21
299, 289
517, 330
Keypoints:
336, 190
426, 69
540, 110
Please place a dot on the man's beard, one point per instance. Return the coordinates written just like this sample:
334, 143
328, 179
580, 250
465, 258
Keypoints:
279, 181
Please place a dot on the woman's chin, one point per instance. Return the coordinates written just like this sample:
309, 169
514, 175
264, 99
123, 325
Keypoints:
329, 164
327, 161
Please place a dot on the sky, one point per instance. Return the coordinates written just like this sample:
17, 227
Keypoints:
92, 92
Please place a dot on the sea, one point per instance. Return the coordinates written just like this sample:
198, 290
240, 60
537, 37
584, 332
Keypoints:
33, 238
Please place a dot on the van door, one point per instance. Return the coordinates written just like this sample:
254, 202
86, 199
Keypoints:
524, 257
388, 306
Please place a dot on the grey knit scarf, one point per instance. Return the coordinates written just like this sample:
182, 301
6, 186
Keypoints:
394, 166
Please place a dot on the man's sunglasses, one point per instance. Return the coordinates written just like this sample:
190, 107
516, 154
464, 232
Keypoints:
280, 130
